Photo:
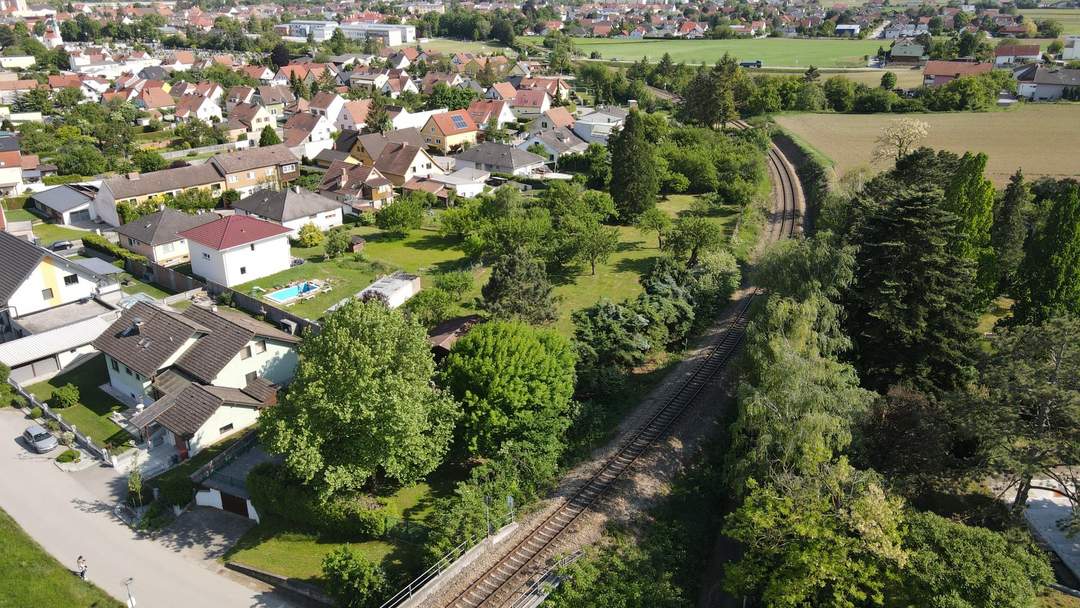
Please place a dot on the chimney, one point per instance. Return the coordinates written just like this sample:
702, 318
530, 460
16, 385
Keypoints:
344, 176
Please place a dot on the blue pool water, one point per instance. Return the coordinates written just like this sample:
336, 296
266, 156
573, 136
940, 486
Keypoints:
293, 292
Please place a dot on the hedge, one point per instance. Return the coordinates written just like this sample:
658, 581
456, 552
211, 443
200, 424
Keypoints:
351, 517
59, 180
69, 455
104, 245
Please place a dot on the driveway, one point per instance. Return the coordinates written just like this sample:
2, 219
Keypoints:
70, 514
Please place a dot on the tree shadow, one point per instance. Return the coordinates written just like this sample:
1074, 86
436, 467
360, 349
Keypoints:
639, 266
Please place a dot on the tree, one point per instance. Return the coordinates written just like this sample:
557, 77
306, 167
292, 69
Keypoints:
899, 138
66, 396
337, 242
888, 81
1032, 381
970, 197
403, 215
135, 484
81, 159
1050, 28
519, 289
635, 180
354, 581
1010, 229
268, 136
909, 312
1049, 282
8, 396
840, 92
611, 339
538, 149
654, 220
147, 161
361, 404
455, 282
693, 236
309, 235
378, 118
594, 243
279, 56
512, 380
956, 566
430, 307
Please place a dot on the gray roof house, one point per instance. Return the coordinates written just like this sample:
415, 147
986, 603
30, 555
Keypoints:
499, 158
1040, 83
557, 142
65, 204
156, 237
292, 208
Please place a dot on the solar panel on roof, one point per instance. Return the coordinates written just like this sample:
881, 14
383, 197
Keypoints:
459, 122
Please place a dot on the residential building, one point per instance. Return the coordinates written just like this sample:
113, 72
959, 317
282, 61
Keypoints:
353, 115
256, 168
307, 134
531, 103
237, 249
556, 142
326, 104
401, 162
450, 131
189, 107
597, 125
367, 148
484, 110
499, 158
358, 188
274, 98
67, 204
907, 52
157, 236
1016, 53
135, 188
1071, 51
252, 119
466, 183
1040, 83
937, 73
292, 208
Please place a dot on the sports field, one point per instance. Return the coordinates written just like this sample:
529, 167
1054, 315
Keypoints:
771, 51
1069, 17
1040, 138
448, 45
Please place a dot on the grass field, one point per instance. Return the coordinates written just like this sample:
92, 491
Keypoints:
1040, 138
447, 45
90, 415
771, 51
31, 577
906, 78
1069, 17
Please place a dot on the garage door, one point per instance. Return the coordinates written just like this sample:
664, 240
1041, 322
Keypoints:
234, 504
80, 216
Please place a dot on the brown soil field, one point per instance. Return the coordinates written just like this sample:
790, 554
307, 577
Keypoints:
1042, 139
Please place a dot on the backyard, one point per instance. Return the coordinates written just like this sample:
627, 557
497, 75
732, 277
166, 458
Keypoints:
91, 415
1040, 138
31, 577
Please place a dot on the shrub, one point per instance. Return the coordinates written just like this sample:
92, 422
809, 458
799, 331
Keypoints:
366, 219
35, 412
337, 242
309, 236
69, 455
52, 425
66, 396
100, 243
353, 580
67, 438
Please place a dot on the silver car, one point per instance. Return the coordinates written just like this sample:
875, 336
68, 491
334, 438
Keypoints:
40, 439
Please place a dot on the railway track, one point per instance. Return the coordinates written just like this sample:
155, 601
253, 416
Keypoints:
501, 584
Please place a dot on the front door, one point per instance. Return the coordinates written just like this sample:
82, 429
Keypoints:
234, 504
181, 447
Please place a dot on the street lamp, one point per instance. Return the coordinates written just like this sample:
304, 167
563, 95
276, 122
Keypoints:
130, 598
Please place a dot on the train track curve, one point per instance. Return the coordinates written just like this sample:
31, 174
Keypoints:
500, 586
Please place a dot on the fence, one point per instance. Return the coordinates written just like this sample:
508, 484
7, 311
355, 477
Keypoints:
83, 440
175, 154
271, 313
168, 278
224, 458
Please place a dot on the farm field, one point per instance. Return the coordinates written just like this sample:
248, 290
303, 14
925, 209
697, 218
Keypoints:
782, 52
1039, 138
449, 45
1069, 17
906, 78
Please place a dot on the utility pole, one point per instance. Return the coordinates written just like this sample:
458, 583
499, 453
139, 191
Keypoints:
487, 513
130, 598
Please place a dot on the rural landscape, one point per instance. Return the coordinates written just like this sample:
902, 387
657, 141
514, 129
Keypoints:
423, 304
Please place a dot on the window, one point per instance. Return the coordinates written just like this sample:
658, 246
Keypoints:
225, 429
243, 270
114, 364
252, 246
71, 279
137, 376
46, 294
288, 168
259, 347
251, 175
205, 256
232, 179
168, 247
131, 242
269, 172
127, 370
246, 353
251, 376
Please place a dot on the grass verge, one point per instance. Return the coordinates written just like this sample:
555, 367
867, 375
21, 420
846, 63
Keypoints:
90, 415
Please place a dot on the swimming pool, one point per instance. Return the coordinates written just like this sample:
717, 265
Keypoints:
288, 294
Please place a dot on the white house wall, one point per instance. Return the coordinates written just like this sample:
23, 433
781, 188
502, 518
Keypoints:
133, 385
208, 434
324, 220
269, 256
277, 364
49, 275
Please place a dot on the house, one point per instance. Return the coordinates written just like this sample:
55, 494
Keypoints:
157, 236
907, 52
499, 158
466, 183
1071, 50
556, 117
367, 148
190, 107
237, 249
396, 85
530, 103
450, 131
358, 187
292, 208
238, 95
135, 188
353, 115
67, 204
307, 134
1016, 53
557, 88
204, 373
501, 90
1040, 83
327, 104
849, 30
597, 126
252, 119
274, 98
937, 73
154, 98
256, 168
34, 279
483, 111
259, 72
401, 118
427, 84
556, 142
401, 162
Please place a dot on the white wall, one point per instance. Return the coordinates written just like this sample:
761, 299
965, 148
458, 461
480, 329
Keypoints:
28, 297
136, 388
212, 498
266, 257
239, 417
277, 364
324, 220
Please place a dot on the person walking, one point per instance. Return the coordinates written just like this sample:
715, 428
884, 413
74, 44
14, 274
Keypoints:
82, 567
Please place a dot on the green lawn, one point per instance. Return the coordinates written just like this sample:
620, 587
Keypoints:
31, 577
136, 286
48, 234
771, 51
20, 215
1069, 17
90, 415
448, 46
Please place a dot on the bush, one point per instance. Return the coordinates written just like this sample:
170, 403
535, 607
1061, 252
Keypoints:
104, 245
52, 425
67, 438
309, 236
69, 455
59, 180
35, 412
66, 396
366, 219
353, 580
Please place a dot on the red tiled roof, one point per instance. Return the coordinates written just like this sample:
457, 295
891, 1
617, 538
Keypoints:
956, 69
445, 122
233, 231
1018, 50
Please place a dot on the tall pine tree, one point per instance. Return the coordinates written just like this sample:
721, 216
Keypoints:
970, 197
1009, 230
909, 311
634, 176
1050, 274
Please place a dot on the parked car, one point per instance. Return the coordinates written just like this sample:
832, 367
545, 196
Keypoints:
751, 64
40, 440
61, 246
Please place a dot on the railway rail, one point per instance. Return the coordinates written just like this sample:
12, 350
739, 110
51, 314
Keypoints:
500, 585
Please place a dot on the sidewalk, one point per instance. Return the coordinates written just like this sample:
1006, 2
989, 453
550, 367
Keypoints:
70, 514
1044, 511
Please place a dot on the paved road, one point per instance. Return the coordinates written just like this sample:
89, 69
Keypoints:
70, 514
